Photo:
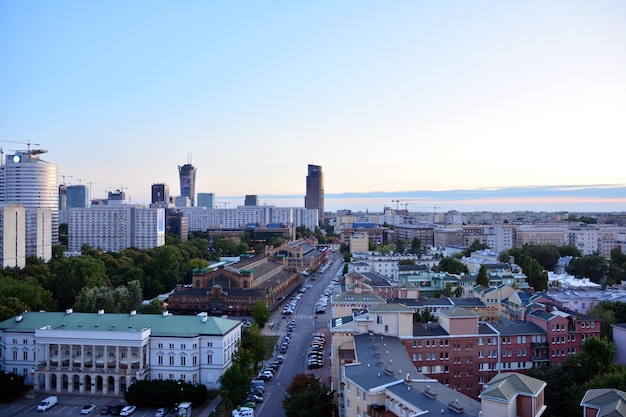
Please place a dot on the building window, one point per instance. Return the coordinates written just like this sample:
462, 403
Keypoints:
171, 345
183, 361
183, 346
171, 361
209, 344
160, 359
160, 345
209, 359
25, 356
160, 377
194, 360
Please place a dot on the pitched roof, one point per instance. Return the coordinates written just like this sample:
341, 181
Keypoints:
608, 402
506, 386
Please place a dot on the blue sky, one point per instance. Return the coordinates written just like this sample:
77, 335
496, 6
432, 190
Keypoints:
386, 96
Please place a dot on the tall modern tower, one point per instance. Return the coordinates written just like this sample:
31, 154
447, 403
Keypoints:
187, 174
314, 198
160, 193
77, 196
32, 182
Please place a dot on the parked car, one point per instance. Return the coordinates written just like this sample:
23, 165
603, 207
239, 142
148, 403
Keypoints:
162, 412
87, 409
105, 411
116, 410
129, 410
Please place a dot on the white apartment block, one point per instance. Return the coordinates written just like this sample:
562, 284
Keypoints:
103, 354
12, 235
39, 235
114, 228
201, 218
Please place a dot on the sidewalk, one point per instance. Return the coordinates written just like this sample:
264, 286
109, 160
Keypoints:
209, 408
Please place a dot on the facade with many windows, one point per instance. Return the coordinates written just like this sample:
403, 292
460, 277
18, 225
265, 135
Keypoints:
102, 354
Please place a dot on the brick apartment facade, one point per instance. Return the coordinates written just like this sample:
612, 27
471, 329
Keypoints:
464, 353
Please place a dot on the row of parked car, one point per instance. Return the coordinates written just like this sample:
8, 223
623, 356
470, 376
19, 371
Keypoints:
290, 307
315, 356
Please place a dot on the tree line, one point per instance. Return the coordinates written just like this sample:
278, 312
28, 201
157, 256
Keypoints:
114, 281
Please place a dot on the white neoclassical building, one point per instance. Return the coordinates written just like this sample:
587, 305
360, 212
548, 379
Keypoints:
103, 353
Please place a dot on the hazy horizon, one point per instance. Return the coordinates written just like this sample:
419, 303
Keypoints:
599, 198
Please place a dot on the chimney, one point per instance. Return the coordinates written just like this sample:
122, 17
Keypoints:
69, 311
100, 312
165, 314
133, 312
18, 318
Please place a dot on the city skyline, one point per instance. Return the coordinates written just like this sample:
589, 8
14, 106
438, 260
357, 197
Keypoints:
401, 97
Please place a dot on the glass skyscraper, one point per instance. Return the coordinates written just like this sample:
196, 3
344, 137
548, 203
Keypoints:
187, 174
314, 198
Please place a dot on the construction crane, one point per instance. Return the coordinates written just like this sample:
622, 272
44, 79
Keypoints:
435, 208
397, 204
66, 176
28, 144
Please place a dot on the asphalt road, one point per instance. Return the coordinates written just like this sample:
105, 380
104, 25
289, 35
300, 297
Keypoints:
295, 358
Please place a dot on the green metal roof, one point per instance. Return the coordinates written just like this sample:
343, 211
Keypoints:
159, 325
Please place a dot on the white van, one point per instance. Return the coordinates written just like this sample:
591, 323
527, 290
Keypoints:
48, 403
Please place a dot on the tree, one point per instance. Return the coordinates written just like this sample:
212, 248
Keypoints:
307, 397
253, 341
594, 267
452, 266
458, 291
416, 247
424, 317
475, 246
260, 313
569, 250
12, 386
537, 277
234, 384
154, 307
344, 271
406, 262
482, 278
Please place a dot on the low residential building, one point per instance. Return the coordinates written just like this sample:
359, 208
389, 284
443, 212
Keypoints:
604, 402
102, 353
513, 395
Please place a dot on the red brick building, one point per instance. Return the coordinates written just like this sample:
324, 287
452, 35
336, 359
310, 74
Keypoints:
464, 353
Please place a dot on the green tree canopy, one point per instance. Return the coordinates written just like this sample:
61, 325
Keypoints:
594, 267
537, 277
452, 266
260, 313
307, 397
482, 278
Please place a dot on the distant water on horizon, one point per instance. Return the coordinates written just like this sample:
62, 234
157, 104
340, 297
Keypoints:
588, 199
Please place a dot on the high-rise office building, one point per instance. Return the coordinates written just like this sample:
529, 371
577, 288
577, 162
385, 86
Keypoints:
314, 198
206, 200
32, 182
187, 174
77, 196
160, 193
251, 200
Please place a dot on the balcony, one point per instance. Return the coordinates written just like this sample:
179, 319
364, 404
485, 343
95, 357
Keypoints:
539, 345
540, 358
